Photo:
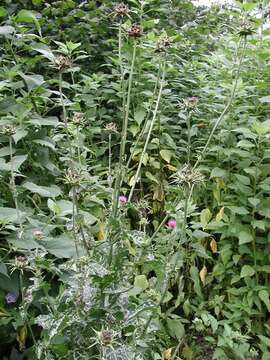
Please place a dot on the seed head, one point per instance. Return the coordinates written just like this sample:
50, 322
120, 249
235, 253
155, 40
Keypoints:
21, 262
190, 102
121, 9
111, 127
245, 28
72, 177
78, 118
8, 130
135, 31
187, 176
163, 44
62, 62
106, 337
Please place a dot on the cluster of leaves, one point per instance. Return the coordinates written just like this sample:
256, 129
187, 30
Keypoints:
134, 168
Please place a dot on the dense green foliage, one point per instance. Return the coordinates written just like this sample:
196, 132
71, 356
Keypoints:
135, 180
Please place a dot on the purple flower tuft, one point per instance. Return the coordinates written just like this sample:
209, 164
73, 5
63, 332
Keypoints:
123, 199
172, 224
11, 298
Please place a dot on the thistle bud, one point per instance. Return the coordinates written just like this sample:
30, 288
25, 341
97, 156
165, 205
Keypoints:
245, 28
8, 130
191, 102
72, 177
21, 262
62, 62
163, 44
121, 9
111, 127
105, 337
187, 176
78, 118
135, 31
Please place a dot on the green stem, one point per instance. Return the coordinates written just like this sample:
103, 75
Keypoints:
124, 136
13, 186
73, 220
64, 111
149, 133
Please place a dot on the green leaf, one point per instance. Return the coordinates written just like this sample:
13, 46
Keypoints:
32, 81
139, 115
44, 50
166, 155
47, 121
20, 134
247, 271
3, 11
44, 191
244, 237
176, 328
217, 172
205, 216
10, 215
46, 143
265, 340
264, 296
141, 282
6, 30
62, 246
27, 16
54, 207
151, 177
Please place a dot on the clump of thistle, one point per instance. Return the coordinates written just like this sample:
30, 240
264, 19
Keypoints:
62, 62
190, 102
135, 31
187, 176
163, 44
78, 118
72, 177
121, 9
111, 127
8, 130
245, 28
105, 337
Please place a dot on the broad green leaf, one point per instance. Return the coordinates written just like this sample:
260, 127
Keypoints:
20, 134
205, 216
166, 155
62, 246
141, 282
32, 81
27, 16
3, 11
264, 296
44, 191
10, 215
176, 328
151, 177
6, 30
139, 115
54, 207
16, 162
45, 143
247, 271
44, 50
244, 237
47, 121
265, 340
217, 172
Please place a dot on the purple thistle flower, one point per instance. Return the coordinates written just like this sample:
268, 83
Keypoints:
171, 224
123, 199
11, 298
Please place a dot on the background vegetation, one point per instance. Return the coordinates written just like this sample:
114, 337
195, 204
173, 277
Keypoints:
135, 180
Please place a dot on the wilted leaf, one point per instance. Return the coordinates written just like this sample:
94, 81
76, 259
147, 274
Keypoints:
167, 354
205, 216
213, 246
220, 214
203, 274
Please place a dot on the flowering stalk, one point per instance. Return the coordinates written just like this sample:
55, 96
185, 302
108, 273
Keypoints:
149, 133
13, 186
64, 109
124, 135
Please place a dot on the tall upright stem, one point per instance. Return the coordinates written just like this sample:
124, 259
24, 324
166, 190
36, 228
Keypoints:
149, 133
124, 136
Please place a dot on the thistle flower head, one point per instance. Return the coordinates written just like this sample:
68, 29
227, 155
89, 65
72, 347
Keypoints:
122, 199
8, 130
11, 298
171, 224
163, 44
190, 102
72, 177
62, 62
38, 234
187, 176
105, 337
245, 28
121, 9
21, 262
135, 31
78, 118
111, 127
